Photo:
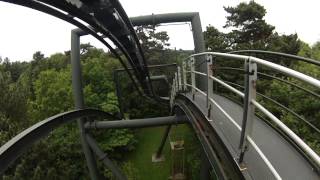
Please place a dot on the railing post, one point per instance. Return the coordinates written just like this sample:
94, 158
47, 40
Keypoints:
209, 81
249, 108
177, 82
184, 75
193, 77
179, 78
79, 102
173, 86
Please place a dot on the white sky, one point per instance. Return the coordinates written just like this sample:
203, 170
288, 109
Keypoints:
24, 31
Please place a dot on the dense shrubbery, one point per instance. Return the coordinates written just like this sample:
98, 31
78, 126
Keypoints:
42, 88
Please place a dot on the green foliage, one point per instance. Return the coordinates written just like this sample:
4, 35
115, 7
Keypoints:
42, 88
131, 171
250, 31
53, 93
153, 44
250, 27
215, 40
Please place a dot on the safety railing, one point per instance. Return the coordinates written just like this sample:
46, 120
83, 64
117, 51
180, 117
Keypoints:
249, 98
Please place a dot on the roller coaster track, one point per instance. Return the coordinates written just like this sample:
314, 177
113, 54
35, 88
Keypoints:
238, 142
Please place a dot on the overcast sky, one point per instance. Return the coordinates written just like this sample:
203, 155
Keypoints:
24, 31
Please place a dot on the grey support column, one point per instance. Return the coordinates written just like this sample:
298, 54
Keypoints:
199, 46
198, 39
79, 100
118, 93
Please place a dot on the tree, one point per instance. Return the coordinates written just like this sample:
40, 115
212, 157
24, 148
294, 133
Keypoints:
215, 40
316, 51
154, 44
59, 156
38, 56
250, 29
150, 39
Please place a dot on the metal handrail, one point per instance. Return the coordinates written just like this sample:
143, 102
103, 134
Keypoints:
283, 127
199, 73
281, 105
304, 59
282, 69
290, 133
250, 140
249, 61
274, 77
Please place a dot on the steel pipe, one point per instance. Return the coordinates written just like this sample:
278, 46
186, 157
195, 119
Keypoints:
104, 158
192, 17
79, 100
289, 132
282, 106
304, 59
136, 123
285, 70
276, 78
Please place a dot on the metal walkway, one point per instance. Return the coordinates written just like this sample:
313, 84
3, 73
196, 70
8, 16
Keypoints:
287, 161
259, 150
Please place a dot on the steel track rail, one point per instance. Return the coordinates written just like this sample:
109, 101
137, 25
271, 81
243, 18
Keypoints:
17, 145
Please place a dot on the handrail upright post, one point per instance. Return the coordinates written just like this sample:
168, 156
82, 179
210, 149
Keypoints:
249, 108
173, 91
179, 78
184, 75
193, 78
177, 82
209, 81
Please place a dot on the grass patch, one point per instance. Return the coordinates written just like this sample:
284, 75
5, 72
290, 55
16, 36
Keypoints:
149, 140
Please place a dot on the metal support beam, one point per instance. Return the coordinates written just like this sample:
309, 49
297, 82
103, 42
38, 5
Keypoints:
209, 83
193, 76
179, 78
163, 141
194, 19
136, 123
104, 158
177, 81
79, 100
159, 78
14, 148
184, 75
119, 93
249, 108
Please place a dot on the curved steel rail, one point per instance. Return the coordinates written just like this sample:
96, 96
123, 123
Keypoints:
304, 59
17, 145
99, 17
280, 105
272, 77
298, 75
